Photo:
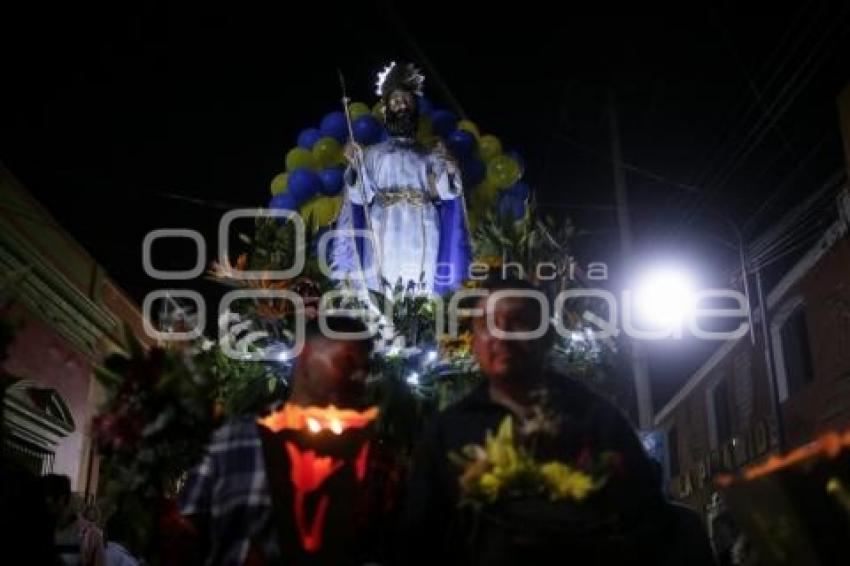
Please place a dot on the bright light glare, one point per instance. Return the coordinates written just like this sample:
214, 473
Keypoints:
665, 297
314, 425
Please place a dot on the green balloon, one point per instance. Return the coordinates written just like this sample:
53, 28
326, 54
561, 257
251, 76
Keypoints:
300, 158
279, 183
489, 147
327, 152
502, 171
358, 109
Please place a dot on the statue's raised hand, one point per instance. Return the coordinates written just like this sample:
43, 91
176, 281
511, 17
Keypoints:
353, 153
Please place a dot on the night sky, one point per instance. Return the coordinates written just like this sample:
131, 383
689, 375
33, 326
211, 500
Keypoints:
115, 116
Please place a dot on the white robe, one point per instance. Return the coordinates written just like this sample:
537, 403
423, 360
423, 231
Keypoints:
407, 233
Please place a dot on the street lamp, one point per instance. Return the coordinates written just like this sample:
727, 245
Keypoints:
665, 297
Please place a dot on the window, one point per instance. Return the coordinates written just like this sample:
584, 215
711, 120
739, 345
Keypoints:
796, 355
722, 418
673, 451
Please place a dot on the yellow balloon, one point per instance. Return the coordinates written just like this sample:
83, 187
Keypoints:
424, 129
327, 152
502, 171
483, 196
469, 126
279, 183
378, 111
358, 109
300, 158
326, 209
489, 147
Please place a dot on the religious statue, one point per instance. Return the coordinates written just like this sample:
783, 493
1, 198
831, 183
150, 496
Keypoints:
407, 199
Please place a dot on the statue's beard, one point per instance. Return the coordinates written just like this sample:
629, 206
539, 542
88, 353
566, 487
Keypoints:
402, 124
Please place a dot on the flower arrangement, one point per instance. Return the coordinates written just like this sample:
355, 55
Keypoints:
505, 468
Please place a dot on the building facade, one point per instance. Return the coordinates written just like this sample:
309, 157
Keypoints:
66, 315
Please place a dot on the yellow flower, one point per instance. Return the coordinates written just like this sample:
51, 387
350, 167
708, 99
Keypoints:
500, 449
490, 485
564, 482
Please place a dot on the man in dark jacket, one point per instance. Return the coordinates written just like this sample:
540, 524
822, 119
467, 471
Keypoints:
629, 510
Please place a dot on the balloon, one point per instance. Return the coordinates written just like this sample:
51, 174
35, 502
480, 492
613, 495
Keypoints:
303, 185
443, 122
358, 109
473, 171
511, 206
461, 143
424, 130
299, 158
308, 137
469, 126
484, 195
367, 130
429, 141
335, 125
502, 171
488, 189
283, 201
520, 190
513, 154
489, 147
332, 181
426, 107
325, 210
327, 152
278, 184
378, 111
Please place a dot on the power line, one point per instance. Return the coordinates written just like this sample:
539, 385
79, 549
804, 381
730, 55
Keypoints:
720, 180
627, 166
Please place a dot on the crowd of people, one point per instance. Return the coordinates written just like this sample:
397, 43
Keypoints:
229, 502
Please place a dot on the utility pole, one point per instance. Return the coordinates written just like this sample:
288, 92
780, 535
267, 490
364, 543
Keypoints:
771, 368
640, 367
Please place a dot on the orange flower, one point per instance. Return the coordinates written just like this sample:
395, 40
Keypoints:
316, 419
225, 270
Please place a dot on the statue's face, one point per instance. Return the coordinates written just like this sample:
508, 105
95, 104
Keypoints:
401, 101
402, 115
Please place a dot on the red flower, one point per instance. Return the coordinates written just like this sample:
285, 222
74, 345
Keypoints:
308, 472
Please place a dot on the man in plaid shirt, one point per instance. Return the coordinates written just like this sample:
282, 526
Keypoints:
227, 497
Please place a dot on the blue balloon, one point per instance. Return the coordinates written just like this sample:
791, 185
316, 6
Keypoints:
332, 181
461, 143
443, 122
303, 185
520, 190
426, 107
473, 172
307, 138
367, 130
513, 154
283, 201
335, 125
511, 206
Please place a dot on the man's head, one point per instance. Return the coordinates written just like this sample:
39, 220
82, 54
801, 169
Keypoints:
503, 358
332, 370
57, 494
